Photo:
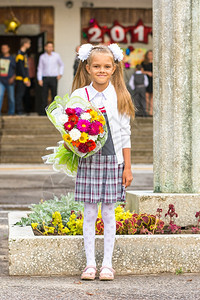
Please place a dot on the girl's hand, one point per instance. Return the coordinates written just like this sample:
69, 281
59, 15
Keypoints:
127, 177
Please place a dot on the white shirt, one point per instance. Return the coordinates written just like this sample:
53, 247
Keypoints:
50, 65
131, 81
119, 124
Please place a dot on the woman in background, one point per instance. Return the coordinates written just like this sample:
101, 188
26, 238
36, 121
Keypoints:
147, 68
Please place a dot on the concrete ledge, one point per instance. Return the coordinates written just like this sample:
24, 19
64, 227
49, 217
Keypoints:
64, 255
186, 205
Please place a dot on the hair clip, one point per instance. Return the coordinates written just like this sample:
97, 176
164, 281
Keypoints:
116, 51
84, 51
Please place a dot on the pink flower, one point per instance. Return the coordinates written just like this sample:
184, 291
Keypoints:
98, 123
70, 111
69, 126
83, 125
94, 128
83, 148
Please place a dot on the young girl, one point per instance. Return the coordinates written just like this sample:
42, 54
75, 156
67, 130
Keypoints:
103, 176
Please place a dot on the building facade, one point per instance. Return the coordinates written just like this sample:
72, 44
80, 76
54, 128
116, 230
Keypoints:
63, 22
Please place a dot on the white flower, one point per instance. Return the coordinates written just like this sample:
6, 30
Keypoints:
84, 51
85, 116
63, 119
116, 51
75, 134
102, 134
93, 137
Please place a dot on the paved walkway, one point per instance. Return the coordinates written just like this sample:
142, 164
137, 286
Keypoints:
21, 185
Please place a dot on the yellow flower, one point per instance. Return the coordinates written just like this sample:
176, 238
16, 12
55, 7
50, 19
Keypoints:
83, 138
73, 216
56, 218
65, 230
101, 119
67, 138
128, 214
50, 229
94, 115
119, 209
34, 225
60, 227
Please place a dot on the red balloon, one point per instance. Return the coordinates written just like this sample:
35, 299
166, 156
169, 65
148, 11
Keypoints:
117, 33
95, 33
140, 32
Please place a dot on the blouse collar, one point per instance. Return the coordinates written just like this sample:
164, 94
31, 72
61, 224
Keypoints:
106, 93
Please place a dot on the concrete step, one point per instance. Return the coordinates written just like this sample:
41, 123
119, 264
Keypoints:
142, 120
28, 131
142, 141
24, 139
22, 159
25, 121
24, 148
141, 160
143, 152
31, 140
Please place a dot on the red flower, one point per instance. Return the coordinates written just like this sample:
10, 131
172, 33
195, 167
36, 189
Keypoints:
70, 111
69, 126
91, 145
83, 148
73, 118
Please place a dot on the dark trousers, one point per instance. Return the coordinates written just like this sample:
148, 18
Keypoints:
48, 83
20, 92
140, 101
29, 97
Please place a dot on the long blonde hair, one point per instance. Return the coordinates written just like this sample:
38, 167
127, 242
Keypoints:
82, 78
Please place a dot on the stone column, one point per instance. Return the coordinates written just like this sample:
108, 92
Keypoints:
176, 34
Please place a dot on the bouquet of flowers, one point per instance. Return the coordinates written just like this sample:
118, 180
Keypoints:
83, 129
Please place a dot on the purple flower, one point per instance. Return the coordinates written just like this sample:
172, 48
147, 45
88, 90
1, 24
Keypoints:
127, 65
83, 125
78, 111
94, 128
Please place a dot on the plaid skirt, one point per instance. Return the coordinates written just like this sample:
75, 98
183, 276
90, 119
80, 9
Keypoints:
99, 179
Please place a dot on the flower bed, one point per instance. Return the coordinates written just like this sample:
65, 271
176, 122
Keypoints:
59, 250
64, 216
133, 254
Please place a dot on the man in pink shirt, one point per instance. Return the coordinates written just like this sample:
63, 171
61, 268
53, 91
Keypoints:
50, 70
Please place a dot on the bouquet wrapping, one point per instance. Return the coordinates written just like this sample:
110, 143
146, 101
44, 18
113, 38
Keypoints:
83, 129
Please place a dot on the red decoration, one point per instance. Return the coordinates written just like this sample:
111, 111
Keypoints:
131, 48
139, 33
117, 33
94, 32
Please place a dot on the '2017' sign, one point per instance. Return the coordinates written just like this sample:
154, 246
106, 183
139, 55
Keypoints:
117, 33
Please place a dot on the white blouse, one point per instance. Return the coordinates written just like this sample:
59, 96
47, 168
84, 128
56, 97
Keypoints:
119, 124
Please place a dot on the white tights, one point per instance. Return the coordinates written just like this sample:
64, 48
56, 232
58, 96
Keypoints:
90, 216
